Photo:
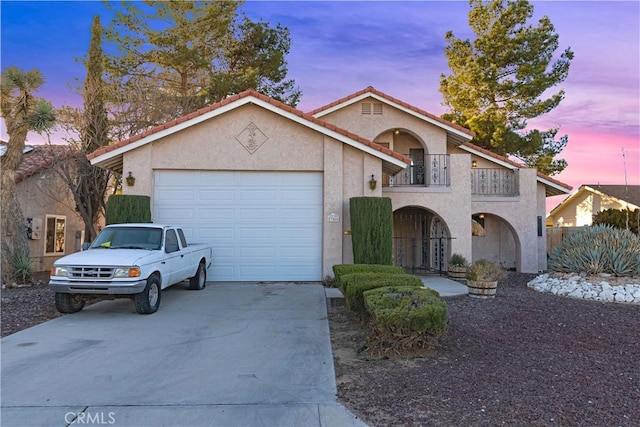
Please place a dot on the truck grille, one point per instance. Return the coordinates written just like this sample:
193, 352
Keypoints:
90, 272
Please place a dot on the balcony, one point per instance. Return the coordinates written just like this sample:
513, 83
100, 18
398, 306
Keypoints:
425, 170
494, 182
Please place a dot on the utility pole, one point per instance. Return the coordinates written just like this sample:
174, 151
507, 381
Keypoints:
626, 185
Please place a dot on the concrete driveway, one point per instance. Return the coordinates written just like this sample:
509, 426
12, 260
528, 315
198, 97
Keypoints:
234, 354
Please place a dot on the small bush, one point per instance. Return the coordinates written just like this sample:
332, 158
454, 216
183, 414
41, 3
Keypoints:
405, 318
485, 271
598, 249
458, 260
340, 270
354, 285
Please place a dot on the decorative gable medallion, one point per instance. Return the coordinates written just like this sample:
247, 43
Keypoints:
251, 138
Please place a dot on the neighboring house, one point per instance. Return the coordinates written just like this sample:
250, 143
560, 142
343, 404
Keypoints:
579, 208
269, 186
53, 226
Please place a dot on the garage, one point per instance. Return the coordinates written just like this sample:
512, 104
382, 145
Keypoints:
263, 226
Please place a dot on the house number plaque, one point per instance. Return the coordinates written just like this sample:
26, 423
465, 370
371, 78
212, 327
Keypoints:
333, 217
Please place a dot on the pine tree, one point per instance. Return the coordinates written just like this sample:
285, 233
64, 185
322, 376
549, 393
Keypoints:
502, 79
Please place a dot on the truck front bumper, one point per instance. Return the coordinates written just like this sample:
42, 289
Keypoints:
66, 286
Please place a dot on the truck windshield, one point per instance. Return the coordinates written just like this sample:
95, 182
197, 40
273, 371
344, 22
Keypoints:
129, 238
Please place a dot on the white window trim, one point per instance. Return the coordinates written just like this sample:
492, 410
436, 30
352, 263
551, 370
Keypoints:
46, 229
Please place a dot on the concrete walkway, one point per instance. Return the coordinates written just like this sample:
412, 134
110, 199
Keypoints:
445, 286
234, 354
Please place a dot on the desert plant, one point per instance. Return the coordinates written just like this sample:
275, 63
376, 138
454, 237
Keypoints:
458, 260
22, 267
485, 271
598, 249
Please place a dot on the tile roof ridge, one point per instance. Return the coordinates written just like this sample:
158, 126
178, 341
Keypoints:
371, 89
228, 100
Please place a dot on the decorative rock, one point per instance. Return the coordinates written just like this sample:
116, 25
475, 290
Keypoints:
577, 286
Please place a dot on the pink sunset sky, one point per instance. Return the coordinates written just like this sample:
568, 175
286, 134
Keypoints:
397, 47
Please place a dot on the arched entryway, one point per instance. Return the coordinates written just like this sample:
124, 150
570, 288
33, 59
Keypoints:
494, 239
420, 241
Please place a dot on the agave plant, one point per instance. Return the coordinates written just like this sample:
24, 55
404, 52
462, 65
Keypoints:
22, 267
598, 249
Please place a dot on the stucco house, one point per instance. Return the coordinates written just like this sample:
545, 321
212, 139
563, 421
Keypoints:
579, 208
53, 226
269, 186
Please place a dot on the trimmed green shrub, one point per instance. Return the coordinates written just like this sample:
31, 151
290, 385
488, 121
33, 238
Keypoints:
598, 249
406, 318
123, 208
371, 230
340, 270
354, 285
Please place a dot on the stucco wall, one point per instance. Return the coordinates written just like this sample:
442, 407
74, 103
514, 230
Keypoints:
497, 245
377, 127
520, 214
287, 146
579, 211
452, 204
45, 194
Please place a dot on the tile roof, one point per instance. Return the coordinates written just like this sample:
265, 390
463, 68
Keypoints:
371, 89
37, 158
237, 97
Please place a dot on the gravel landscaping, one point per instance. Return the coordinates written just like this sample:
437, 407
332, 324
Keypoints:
525, 358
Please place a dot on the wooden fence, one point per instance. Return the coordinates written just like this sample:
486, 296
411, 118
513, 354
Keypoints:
555, 236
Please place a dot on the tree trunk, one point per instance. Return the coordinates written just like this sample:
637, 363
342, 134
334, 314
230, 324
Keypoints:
14, 238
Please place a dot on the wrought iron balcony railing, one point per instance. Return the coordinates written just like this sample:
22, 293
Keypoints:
425, 170
494, 182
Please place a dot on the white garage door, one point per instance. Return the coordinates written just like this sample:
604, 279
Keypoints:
262, 225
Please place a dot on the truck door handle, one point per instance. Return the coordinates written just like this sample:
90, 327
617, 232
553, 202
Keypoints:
162, 262
182, 256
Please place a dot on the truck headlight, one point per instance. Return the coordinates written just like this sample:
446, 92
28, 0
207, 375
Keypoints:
59, 271
127, 272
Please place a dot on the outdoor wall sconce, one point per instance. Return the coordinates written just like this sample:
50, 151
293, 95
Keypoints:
474, 163
130, 180
372, 183
396, 132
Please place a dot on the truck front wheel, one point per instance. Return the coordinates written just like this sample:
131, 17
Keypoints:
199, 281
69, 303
148, 301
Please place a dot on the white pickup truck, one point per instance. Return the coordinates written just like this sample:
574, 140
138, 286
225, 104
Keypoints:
132, 261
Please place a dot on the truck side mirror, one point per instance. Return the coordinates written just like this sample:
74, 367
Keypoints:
85, 246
